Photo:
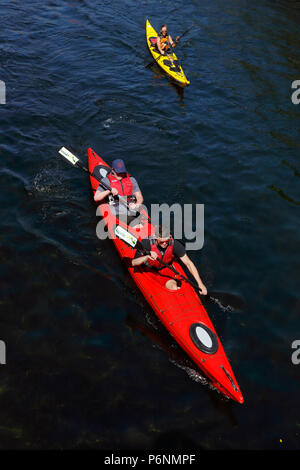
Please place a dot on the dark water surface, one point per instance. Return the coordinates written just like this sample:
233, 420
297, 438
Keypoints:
87, 365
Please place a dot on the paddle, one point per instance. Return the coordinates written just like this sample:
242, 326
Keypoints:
180, 36
184, 33
133, 242
103, 173
176, 42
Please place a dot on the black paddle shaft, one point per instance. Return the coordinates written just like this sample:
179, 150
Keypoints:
185, 32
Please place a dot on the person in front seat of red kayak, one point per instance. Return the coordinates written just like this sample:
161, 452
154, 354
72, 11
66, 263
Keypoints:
164, 41
164, 248
124, 185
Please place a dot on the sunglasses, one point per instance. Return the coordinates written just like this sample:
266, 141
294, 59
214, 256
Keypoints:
162, 242
123, 174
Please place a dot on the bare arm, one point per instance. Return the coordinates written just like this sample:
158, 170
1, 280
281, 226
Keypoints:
140, 260
144, 258
100, 195
193, 270
173, 44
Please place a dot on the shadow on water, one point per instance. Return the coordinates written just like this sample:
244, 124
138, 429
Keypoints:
157, 77
150, 326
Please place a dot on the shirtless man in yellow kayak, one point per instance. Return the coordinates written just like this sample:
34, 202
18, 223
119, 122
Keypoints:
164, 41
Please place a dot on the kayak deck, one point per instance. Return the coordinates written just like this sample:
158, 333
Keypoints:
181, 311
169, 63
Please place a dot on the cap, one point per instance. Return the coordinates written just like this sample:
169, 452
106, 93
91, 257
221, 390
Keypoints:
119, 166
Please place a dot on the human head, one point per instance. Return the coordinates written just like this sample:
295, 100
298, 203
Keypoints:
118, 166
164, 29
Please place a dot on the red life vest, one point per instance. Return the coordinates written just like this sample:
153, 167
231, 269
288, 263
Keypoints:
123, 186
167, 257
164, 42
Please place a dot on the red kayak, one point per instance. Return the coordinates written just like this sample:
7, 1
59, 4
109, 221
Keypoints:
181, 311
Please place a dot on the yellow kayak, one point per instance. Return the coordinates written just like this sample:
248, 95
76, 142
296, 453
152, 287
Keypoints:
168, 63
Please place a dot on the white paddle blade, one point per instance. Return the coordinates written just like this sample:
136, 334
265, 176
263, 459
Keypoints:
126, 236
68, 155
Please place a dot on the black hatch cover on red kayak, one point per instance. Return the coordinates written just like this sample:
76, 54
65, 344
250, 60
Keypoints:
204, 338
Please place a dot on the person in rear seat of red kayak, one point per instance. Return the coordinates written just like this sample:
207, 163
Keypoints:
164, 41
124, 185
164, 248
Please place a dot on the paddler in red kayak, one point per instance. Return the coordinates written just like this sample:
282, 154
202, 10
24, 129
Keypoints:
124, 185
163, 247
164, 41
